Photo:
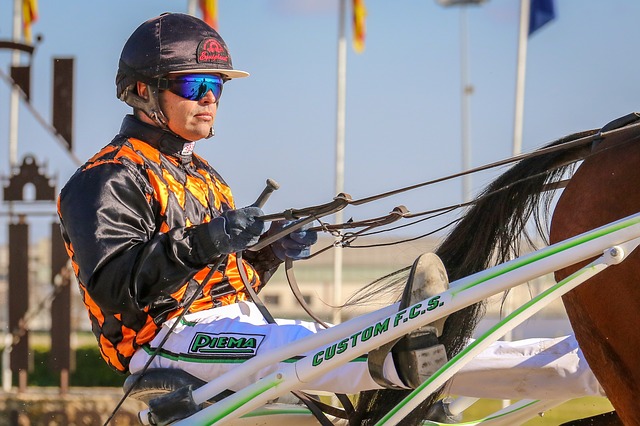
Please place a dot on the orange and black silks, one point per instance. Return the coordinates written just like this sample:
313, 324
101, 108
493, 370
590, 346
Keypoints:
132, 220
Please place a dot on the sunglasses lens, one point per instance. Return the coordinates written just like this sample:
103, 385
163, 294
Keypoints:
195, 87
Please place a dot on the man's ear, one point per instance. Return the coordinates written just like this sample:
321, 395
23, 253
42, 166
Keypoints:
142, 90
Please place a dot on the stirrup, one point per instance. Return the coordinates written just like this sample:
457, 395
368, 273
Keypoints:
418, 354
157, 382
166, 391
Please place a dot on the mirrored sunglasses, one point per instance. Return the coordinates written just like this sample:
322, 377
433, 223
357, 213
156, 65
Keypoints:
195, 86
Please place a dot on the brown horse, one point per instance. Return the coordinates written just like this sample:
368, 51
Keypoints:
603, 312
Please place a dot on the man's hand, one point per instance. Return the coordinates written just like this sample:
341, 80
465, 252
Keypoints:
235, 230
296, 245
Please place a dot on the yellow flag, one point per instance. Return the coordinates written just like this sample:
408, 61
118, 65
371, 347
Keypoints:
209, 10
359, 25
29, 16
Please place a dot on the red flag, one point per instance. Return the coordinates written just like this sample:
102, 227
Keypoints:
209, 10
29, 16
359, 25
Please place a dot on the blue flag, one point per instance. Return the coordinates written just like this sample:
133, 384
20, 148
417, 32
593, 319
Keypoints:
541, 12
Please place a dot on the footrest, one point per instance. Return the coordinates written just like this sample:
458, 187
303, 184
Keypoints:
158, 381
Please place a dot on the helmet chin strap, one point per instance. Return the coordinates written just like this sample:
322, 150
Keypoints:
149, 105
212, 131
154, 111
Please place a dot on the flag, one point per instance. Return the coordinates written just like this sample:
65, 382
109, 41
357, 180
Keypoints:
209, 10
359, 25
29, 16
541, 12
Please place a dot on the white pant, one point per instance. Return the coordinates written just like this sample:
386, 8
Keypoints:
209, 343
528, 369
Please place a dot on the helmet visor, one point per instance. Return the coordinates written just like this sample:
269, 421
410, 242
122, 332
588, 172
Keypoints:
195, 86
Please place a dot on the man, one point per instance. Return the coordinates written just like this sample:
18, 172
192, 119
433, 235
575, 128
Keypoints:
152, 228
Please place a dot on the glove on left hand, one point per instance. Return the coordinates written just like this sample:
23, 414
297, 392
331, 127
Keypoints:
296, 245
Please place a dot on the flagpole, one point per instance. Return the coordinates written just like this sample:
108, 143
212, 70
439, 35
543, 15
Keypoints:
340, 148
523, 39
191, 7
15, 94
13, 162
520, 75
467, 90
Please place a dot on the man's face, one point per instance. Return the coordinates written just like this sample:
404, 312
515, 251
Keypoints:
192, 120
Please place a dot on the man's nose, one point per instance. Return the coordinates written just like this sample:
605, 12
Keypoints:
208, 97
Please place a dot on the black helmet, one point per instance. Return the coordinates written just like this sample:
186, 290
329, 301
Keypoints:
170, 43
173, 42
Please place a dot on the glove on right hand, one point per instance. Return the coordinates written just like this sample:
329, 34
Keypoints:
296, 245
235, 230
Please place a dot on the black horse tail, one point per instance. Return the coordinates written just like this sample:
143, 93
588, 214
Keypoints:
487, 234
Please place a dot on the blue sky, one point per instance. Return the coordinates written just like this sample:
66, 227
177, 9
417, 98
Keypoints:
403, 91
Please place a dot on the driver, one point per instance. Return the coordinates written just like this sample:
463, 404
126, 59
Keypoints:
150, 226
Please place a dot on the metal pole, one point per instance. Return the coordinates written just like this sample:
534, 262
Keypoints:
520, 75
519, 118
15, 95
13, 162
467, 90
191, 7
6, 362
340, 142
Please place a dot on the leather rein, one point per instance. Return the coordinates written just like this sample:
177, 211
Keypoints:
304, 216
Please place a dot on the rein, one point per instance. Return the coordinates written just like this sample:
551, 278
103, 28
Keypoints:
626, 124
345, 240
307, 215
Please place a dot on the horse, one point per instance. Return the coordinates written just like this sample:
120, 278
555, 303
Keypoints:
600, 191
604, 311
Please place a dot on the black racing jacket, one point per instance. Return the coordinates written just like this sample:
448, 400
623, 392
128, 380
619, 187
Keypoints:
132, 219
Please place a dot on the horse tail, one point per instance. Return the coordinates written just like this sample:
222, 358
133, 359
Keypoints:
496, 219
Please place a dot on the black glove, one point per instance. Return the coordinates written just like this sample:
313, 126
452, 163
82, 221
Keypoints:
296, 245
235, 230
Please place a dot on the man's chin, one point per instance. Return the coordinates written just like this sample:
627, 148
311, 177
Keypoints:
196, 134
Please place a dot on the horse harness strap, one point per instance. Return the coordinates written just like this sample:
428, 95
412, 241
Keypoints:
619, 124
396, 214
295, 289
301, 217
627, 124
375, 363
251, 292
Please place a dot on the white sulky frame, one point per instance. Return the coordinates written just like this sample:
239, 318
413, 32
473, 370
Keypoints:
613, 242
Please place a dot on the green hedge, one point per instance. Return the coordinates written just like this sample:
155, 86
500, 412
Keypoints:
90, 370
